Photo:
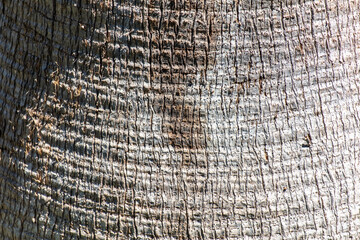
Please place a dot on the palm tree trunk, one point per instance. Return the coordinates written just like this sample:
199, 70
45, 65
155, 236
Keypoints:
179, 119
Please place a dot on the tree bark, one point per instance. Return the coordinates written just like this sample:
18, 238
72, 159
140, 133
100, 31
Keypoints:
179, 119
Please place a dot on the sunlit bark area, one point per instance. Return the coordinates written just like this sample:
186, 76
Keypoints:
179, 119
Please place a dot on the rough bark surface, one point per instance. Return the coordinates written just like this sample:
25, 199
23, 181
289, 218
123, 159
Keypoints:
179, 119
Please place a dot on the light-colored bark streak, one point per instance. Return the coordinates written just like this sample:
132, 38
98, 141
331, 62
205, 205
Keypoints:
179, 119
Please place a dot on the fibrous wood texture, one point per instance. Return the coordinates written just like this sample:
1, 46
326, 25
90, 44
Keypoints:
179, 119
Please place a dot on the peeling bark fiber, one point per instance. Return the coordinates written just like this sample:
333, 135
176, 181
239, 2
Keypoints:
179, 119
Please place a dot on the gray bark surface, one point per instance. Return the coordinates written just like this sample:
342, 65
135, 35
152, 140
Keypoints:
179, 119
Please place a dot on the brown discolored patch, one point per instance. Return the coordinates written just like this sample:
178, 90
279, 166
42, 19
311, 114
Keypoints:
181, 50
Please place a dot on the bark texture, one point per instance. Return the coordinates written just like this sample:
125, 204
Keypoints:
179, 119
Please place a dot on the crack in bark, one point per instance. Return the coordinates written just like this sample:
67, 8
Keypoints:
181, 45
